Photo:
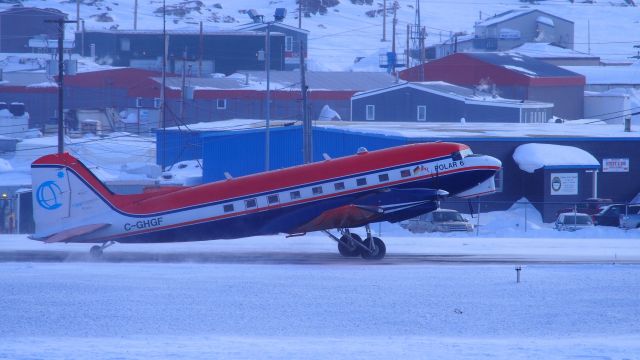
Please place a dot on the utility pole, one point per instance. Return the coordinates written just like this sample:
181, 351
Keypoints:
77, 15
307, 137
393, 37
300, 14
267, 65
135, 15
60, 23
164, 84
201, 51
183, 85
384, 21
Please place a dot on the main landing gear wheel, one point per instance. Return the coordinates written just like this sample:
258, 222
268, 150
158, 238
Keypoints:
377, 251
347, 246
96, 251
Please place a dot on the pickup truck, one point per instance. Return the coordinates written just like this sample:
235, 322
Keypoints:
631, 220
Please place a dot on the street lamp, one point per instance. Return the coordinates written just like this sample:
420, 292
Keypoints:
278, 16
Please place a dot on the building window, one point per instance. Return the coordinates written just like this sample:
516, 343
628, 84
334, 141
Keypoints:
338, 186
422, 113
288, 43
294, 195
405, 173
273, 199
361, 181
221, 104
371, 112
157, 102
383, 177
228, 208
499, 181
251, 203
125, 44
317, 190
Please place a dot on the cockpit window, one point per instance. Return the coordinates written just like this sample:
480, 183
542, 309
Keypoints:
459, 155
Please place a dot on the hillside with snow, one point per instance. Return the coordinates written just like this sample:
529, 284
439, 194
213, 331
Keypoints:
343, 30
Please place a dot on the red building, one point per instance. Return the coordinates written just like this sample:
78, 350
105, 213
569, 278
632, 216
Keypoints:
510, 76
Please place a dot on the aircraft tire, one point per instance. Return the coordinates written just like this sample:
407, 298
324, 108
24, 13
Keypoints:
379, 253
350, 251
95, 252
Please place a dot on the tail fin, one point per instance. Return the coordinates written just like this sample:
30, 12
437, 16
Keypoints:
66, 195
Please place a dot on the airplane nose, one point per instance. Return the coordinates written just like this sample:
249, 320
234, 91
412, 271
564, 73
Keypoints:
491, 161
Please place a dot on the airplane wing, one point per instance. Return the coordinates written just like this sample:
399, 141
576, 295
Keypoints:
69, 234
387, 205
341, 217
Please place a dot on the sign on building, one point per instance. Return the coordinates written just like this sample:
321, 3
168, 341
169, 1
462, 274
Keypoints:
615, 165
564, 184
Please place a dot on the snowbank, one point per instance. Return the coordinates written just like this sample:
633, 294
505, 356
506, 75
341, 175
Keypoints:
531, 157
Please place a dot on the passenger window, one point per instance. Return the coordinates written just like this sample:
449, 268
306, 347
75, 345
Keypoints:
317, 190
273, 199
251, 203
339, 186
228, 208
294, 195
361, 181
456, 156
405, 173
383, 177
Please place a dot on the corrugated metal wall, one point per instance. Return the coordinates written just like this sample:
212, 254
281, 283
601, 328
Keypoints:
177, 146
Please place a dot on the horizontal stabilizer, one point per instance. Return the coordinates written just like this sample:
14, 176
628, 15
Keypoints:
68, 234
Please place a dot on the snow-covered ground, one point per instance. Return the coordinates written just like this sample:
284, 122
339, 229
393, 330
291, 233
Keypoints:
602, 28
434, 296
318, 309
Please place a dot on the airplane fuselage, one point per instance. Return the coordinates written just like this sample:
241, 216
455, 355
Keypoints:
386, 185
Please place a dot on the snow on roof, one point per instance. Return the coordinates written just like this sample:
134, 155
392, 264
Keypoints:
595, 75
531, 157
231, 125
507, 15
289, 80
545, 20
458, 131
546, 50
523, 64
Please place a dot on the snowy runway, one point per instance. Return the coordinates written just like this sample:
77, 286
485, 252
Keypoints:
105, 310
271, 297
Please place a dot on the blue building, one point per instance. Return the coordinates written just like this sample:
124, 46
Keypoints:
438, 101
240, 151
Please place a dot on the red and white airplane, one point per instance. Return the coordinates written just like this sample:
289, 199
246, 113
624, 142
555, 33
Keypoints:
72, 205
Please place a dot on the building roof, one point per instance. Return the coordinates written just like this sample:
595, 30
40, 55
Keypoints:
549, 51
531, 157
327, 80
27, 78
460, 93
512, 14
181, 32
427, 131
289, 80
21, 9
609, 75
522, 64
256, 26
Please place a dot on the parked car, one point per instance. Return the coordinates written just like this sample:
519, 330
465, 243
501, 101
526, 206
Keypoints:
572, 221
443, 220
610, 215
589, 206
631, 219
